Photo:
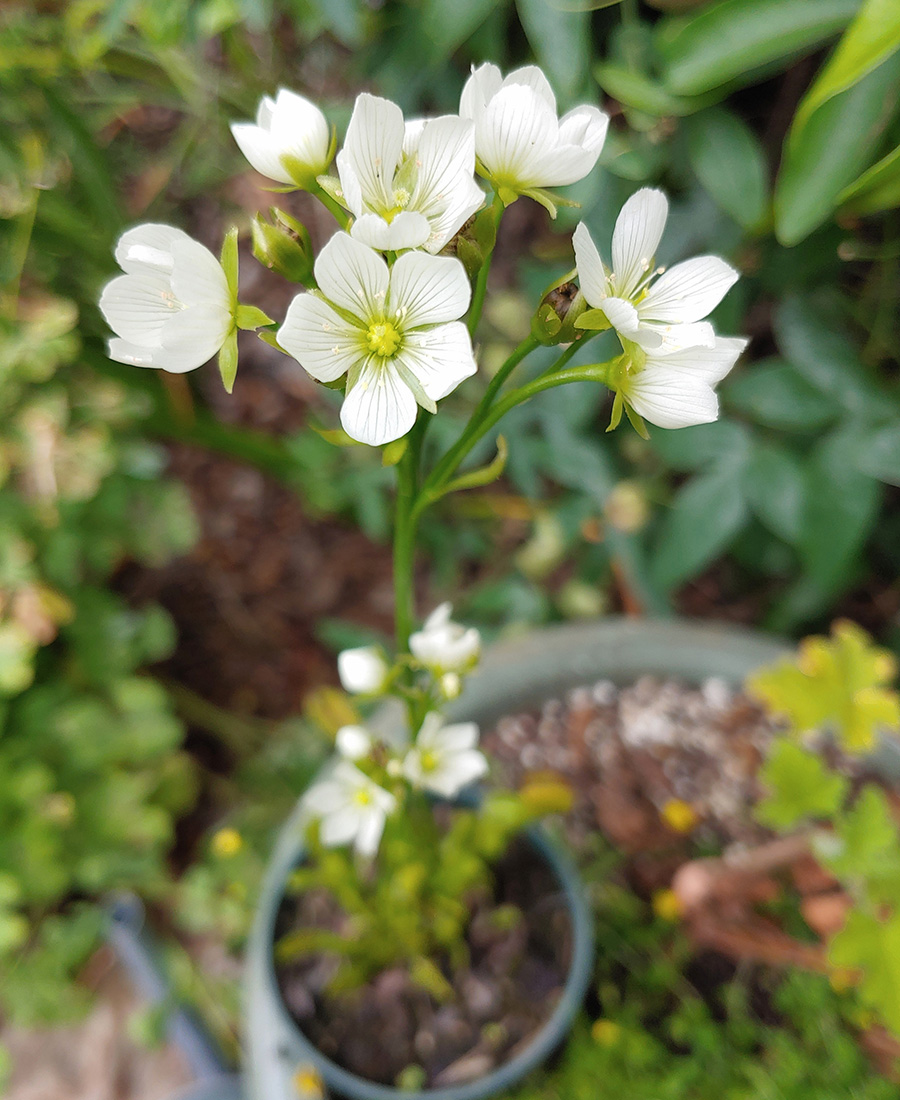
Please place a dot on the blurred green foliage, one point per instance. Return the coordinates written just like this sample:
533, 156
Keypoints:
773, 126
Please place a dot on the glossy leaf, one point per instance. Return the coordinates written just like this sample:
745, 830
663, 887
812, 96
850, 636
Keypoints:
731, 39
730, 163
878, 188
827, 151
449, 25
560, 40
871, 38
635, 89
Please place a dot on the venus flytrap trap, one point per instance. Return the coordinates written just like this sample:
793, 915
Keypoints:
390, 310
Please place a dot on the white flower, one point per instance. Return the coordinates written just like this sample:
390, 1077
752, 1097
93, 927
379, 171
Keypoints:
675, 390
444, 759
350, 808
393, 332
363, 671
663, 315
290, 141
172, 308
408, 186
445, 646
519, 142
353, 742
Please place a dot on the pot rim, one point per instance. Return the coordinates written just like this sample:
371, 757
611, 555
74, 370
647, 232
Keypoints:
543, 1042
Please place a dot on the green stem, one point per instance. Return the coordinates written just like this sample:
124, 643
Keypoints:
334, 207
405, 523
480, 290
437, 480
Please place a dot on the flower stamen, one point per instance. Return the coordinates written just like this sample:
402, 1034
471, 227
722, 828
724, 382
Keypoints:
382, 339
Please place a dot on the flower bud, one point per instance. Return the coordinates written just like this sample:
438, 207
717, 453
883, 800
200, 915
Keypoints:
284, 246
554, 320
363, 671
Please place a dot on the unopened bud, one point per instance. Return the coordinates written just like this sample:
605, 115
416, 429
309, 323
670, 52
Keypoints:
283, 246
554, 320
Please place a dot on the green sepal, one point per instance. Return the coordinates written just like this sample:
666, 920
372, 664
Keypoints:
546, 325
470, 255
394, 451
336, 436
507, 195
484, 229
251, 317
271, 339
229, 261
616, 414
283, 246
302, 175
636, 421
595, 320
331, 185
228, 360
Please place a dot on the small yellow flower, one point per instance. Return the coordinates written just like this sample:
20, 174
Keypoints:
667, 905
227, 843
679, 815
307, 1082
606, 1032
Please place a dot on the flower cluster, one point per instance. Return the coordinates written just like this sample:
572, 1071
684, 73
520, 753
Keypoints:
370, 779
381, 319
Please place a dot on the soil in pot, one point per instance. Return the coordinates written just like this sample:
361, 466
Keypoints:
394, 1032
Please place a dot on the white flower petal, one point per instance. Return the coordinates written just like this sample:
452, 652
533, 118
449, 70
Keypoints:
636, 237
625, 319
197, 276
370, 830
148, 245
700, 334
412, 133
301, 130
379, 406
479, 90
439, 358
352, 276
409, 229
446, 151
195, 335
261, 149
373, 147
350, 186
137, 306
321, 341
362, 670
592, 273
466, 198
512, 135
135, 355
690, 290
530, 76
339, 827
353, 742
428, 290
673, 398
439, 617
712, 363
458, 737
586, 127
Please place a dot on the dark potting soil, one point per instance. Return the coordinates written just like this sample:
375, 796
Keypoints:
500, 1000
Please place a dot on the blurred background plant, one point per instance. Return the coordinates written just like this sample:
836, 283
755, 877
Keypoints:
774, 126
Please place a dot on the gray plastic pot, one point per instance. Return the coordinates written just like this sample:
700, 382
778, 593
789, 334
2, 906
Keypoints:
513, 676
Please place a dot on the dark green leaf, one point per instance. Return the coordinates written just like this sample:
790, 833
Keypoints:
730, 163
637, 90
776, 488
773, 393
878, 188
729, 40
691, 448
827, 151
448, 25
561, 41
880, 457
705, 516
841, 507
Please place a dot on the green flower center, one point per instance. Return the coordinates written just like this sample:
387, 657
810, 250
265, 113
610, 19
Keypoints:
428, 761
383, 339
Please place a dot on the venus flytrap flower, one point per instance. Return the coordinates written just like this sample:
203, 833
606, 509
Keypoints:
173, 308
363, 671
290, 142
350, 808
444, 759
663, 315
675, 390
353, 742
408, 185
445, 647
393, 332
520, 144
